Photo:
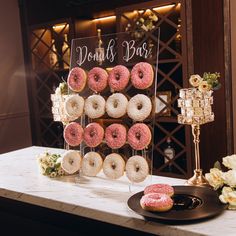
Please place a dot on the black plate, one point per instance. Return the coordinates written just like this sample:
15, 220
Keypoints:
190, 203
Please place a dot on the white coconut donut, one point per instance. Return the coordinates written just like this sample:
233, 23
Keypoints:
74, 106
91, 164
94, 106
137, 169
114, 166
71, 161
139, 107
116, 105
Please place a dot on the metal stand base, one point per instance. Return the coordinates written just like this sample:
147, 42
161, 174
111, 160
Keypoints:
198, 179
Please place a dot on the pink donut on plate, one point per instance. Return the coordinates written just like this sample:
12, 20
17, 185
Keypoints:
115, 135
159, 188
97, 79
73, 134
77, 79
118, 78
93, 134
142, 75
139, 136
156, 202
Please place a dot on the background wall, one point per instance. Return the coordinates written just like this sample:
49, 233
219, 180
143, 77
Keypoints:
14, 112
233, 54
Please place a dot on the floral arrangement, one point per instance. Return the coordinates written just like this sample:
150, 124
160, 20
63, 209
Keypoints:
62, 89
146, 23
209, 81
224, 181
50, 164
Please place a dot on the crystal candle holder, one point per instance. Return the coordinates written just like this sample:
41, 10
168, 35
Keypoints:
58, 110
196, 110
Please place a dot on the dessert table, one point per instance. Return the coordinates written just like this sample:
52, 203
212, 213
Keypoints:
82, 205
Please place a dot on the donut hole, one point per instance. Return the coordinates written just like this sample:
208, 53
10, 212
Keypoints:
95, 105
115, 104
71, 161
74, 105
91, 163
73, 133
138, 135
117, 76
96, 78
139, 106
92, 133
113, 165
76, 77
140, 74
137, 168
114, 135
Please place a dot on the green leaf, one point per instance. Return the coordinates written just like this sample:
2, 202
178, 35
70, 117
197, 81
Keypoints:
48, 170
217, 165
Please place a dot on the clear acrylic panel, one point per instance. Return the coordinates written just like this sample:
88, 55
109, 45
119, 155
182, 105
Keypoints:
108, 51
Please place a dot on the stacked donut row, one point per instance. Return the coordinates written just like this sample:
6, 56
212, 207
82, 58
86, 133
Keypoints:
139, 135
113, 166
118, 78
117, 105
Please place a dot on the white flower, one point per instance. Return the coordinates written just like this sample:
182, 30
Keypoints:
61, 172
228, 195
141, 20
195, 80
53, 174
229, 178
230, 162
51, 164
59, 160
153, 17
215, 178
144, 27
204, 86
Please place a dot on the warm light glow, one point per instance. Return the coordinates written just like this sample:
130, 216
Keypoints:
59, 27
164, 7
160, 8
105, 18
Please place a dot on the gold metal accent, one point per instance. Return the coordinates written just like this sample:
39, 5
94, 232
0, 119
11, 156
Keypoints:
195, 111
198, 178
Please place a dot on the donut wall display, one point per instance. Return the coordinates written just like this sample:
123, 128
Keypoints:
110, 114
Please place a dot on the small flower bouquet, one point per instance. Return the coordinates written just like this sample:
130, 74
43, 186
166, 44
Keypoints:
209, 81
50, 164
145, 23
224, 181
62, 89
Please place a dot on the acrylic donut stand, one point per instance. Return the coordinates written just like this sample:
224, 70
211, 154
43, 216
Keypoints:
108, 51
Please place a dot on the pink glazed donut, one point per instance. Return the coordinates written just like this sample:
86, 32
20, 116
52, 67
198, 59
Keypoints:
73, 134
139, 136
93, 134
159, 188
77, 79
115, 136
142, 75
97, 79
118, 78
159, 202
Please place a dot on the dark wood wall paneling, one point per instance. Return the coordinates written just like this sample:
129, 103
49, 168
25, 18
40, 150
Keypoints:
208, 53
46, 11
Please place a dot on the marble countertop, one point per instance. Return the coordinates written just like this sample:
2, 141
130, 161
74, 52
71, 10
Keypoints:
96, 198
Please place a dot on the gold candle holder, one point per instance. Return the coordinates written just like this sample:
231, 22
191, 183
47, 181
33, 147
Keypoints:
195, 111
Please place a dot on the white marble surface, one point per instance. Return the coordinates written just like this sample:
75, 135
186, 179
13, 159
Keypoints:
96, 198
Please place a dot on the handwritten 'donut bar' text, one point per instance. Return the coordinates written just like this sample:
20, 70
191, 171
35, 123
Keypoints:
110, 52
